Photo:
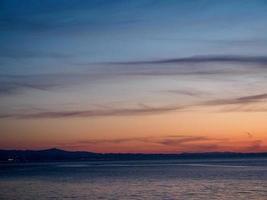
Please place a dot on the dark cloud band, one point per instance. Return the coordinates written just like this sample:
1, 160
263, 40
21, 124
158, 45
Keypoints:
202, 59
141, 110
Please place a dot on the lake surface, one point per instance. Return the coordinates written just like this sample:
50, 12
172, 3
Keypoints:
166, 179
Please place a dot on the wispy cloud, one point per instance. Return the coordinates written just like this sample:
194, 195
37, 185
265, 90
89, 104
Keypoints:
12, 88
25, 54
191, 66
249, 42
113, 141
206, 65
141, 110
255, 145
177, 140
203, 59
174, 143
11, 84
169, 143
238, 100
187, 92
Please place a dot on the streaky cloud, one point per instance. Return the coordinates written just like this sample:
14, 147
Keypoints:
180, 140
26, 54
11, 84
176, 140
187, 92
239, 100
180, 143
202, 59
12, 88
142, 110
255, 145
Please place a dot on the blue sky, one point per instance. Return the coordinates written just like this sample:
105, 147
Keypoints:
128, 57
51, 43
60, 35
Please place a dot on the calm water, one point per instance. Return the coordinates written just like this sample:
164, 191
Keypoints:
183, 179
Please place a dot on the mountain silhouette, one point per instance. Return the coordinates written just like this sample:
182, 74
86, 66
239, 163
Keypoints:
55, 154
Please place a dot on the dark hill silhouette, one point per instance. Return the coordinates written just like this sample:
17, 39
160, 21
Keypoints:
55, 154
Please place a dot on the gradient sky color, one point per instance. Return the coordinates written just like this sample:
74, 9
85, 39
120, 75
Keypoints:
150, 76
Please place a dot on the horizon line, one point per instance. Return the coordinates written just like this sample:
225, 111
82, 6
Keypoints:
174, 153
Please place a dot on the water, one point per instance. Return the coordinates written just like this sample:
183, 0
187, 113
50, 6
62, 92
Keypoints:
180, 179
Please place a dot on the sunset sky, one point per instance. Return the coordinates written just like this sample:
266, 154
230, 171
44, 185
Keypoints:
151, 76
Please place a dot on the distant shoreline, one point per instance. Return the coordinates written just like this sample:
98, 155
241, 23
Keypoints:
9, 156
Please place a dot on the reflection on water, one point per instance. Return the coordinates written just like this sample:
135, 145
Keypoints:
182, 179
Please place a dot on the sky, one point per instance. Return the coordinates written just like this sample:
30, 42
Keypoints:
146, 76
